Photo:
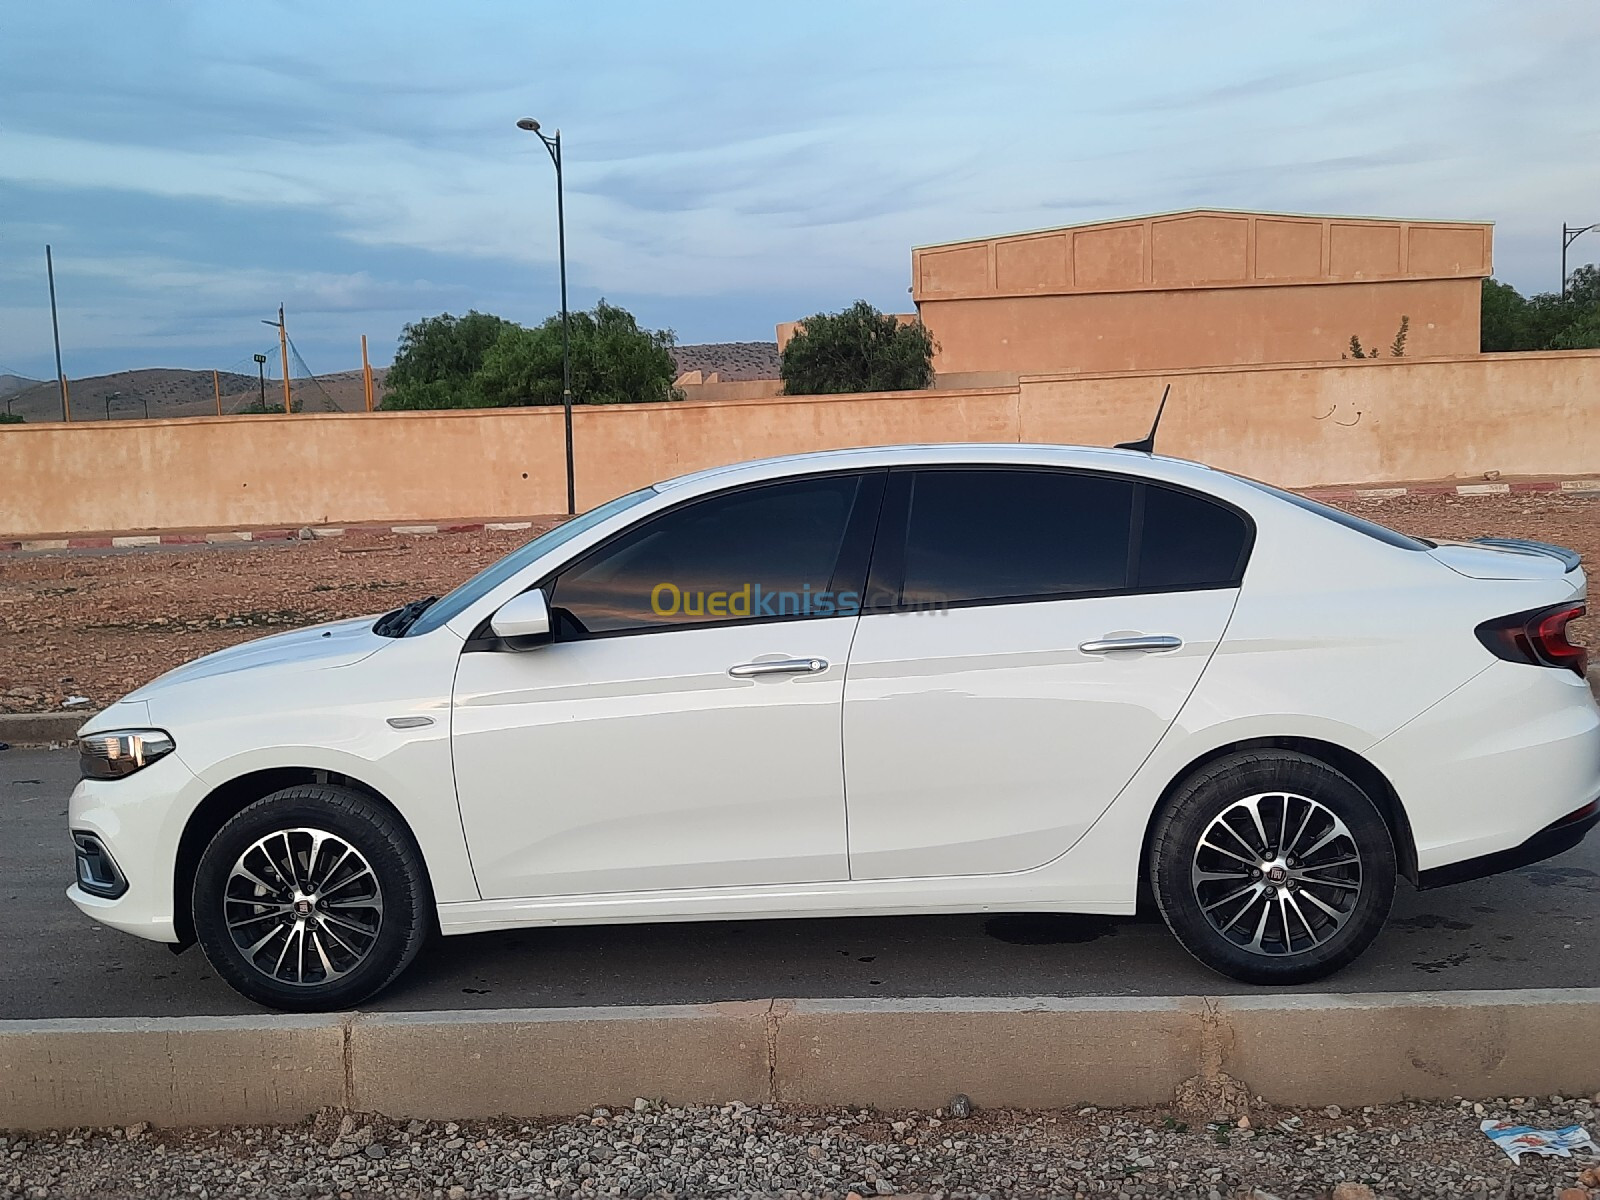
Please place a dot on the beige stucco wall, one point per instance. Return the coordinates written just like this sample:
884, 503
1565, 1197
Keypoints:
1200, 288
1300, 425
1159, 330
1309, 425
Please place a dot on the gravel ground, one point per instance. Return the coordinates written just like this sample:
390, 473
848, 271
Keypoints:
99, 624
1410, 1150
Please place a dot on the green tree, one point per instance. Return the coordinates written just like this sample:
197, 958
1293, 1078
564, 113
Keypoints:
1504, 315
484, 361
857, 350
1582, 330
8, 418
438, 359
614, 361
1546, 321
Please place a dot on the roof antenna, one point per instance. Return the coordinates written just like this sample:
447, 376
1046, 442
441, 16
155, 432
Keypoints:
1147, 444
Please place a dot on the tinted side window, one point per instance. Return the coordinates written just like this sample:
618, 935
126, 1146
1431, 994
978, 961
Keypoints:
757, 552
989, 534
1188, 541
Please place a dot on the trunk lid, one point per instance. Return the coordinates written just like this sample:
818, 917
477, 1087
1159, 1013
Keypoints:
1510, 558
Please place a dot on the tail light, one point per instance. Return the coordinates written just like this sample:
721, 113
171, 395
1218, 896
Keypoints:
1537, 637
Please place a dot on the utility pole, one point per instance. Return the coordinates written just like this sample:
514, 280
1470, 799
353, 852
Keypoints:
55, 326
216, 386
366, 373
283, 348
261, 372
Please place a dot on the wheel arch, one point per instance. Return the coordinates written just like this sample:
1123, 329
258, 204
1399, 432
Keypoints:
1360, 770
226, 801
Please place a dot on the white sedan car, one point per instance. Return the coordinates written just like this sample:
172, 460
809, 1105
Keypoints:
917, 679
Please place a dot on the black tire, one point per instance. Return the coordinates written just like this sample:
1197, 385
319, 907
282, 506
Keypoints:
390, 903
1269, 791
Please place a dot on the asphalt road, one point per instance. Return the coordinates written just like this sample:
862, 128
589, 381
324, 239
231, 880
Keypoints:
1537, 927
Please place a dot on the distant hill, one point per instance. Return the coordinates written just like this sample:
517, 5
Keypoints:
731, 360
174, 392
10, 385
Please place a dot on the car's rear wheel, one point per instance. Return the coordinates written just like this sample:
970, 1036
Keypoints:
1272, 867
312, 898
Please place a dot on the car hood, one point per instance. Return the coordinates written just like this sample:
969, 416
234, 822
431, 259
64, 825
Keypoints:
1508, 558
337, 644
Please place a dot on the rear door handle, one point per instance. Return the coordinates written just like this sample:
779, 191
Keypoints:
779, 666
1158, 641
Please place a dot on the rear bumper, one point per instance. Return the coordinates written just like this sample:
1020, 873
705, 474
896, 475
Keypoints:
1494, 765
1553, 839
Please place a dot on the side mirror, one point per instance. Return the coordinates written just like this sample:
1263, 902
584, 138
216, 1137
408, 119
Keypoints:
522, 619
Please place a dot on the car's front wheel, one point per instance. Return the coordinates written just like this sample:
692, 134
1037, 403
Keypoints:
312, 898
1271, 867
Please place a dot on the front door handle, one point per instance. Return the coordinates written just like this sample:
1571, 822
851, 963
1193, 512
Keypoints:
1158, 641
779, 666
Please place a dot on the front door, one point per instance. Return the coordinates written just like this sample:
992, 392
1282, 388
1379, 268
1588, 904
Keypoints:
1030, 640
683, 728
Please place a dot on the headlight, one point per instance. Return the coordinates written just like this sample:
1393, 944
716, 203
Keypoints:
121, 752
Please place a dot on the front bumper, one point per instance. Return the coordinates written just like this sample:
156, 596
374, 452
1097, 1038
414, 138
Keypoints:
138, 820
1556, 838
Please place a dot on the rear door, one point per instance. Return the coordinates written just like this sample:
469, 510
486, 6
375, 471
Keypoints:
1029, 636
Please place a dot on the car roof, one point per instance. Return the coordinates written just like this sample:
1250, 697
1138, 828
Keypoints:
941, 454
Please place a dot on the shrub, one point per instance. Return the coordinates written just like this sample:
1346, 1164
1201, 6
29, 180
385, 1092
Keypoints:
857, 350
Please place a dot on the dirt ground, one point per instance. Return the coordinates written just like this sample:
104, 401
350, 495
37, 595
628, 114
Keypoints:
97, 624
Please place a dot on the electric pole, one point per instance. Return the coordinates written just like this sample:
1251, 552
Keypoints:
55, 327
283, 348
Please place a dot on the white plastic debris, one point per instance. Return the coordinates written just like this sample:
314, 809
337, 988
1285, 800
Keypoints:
74, 701
1517, 1140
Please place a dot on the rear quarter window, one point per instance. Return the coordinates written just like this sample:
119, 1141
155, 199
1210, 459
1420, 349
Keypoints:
1187, 541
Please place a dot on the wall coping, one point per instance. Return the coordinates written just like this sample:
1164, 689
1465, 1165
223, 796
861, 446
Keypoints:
462, 414
1355, 364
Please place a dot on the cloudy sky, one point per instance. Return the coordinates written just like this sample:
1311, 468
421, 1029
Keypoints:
729, 165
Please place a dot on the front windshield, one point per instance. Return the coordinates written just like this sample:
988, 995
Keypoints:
492, 576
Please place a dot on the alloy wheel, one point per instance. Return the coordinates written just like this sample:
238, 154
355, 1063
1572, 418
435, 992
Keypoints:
1277, 874
303, 906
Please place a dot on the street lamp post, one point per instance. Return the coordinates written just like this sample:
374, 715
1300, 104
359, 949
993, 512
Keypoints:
261, 372
1570, 234
110, 396
553, 145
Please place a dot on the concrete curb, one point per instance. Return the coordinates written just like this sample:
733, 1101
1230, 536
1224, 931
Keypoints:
1031, 1052
113, 541
43, 728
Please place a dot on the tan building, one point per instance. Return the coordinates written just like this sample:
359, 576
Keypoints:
1203, 287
